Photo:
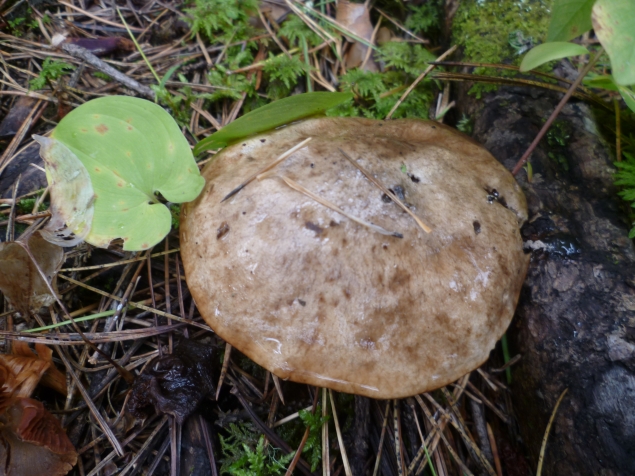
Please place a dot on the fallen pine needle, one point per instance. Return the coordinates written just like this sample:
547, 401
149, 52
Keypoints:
392, 196
544, 439
296, 186
280, 158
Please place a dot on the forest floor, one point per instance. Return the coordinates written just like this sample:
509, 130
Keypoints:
209, 63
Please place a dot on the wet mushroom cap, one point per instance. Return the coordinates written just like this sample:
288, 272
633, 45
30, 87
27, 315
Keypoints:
317, 298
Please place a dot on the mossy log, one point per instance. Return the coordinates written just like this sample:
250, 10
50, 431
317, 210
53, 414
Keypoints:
575, 322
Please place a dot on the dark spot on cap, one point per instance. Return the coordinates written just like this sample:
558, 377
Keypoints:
477, 227
222, 230
313, 227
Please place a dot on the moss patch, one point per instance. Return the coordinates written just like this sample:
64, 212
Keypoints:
499, 31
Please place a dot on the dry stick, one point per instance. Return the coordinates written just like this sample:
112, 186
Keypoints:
381, 439
436, 425
279, 159
85, 55
140, 452
33, 116
395, 421
121, 262
347, 466
223, 371
458, 423
136, 304
91, 405
276, 382
296, 186
487, 402
556, 111
128, 377
326, 466
492, 442
458, 391
544, 440
208, 444
405, 30
418, 80
392, 196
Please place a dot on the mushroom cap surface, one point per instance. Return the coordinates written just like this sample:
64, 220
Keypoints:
317, 298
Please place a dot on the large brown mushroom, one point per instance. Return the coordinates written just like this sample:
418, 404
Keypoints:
316, 297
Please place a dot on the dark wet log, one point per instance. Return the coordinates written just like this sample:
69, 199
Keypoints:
575, 322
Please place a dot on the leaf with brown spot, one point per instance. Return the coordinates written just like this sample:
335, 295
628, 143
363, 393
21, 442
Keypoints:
20, 281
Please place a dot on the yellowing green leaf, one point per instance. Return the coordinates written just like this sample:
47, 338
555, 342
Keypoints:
132, 150
546, 52
71, 192
614, 25
569, 18
273, 115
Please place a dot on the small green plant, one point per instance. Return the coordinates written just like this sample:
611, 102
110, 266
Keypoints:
465, 125
222, 20
245, 453
52, 70
425, 17
313, 446
376, 93
100, 75
283, 73
625, 177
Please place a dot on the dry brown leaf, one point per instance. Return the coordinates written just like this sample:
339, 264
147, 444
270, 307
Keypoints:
20, 281
33, 442
27, 368
356, 18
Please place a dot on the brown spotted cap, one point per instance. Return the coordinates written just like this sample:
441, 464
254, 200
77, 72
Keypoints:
316, 297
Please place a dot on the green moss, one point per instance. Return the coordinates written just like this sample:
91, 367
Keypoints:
499, 31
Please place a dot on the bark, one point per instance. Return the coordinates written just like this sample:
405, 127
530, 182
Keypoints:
575, 322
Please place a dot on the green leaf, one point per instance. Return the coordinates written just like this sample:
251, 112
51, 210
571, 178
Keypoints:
273, 115
614, 25
546, 52
570, 18
600, 81
132, 149
629, 96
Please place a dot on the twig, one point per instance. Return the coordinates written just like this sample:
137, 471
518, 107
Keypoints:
85, 55
556, 111
418, 80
